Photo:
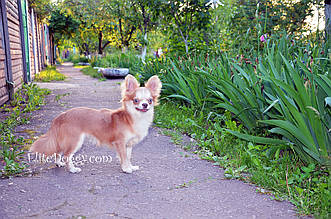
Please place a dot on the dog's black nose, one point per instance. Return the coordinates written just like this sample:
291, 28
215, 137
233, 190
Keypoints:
145, 105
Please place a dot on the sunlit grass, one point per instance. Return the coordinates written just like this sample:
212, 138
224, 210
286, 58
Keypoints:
49, 74
81, 66
88, 70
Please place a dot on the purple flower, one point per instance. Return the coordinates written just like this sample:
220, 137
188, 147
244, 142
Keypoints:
263, 38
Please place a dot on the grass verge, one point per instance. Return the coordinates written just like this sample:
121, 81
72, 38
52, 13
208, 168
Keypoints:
27, 99
282, 176
93, 73
49, 74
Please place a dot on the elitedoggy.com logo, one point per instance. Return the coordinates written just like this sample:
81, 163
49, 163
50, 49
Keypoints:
79, 159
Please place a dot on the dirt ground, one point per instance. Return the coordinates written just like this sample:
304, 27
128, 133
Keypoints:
171, 183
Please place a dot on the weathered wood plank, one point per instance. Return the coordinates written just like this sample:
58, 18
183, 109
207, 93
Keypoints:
13, 17
14, 45
4, 99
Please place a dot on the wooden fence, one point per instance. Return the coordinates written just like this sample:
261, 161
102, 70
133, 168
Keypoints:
24, 46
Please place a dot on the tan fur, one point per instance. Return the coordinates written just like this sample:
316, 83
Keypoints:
119, 128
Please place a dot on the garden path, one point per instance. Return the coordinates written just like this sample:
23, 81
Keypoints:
171, 183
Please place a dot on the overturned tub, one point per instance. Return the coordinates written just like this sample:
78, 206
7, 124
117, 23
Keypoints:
114, 72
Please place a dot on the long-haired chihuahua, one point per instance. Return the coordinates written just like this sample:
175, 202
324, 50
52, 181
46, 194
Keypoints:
120, 129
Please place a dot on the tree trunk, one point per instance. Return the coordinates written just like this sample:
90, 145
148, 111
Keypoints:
184, 39
100, 49
186, 46
328, 19
86, 49
144, 49
52, 58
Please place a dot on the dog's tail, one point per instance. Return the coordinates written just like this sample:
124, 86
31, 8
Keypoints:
47, 143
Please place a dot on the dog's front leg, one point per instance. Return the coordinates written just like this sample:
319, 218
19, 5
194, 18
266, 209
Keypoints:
129, 152
130, 144
125, 163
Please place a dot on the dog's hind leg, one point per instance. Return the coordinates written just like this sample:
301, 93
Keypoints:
78, 142
59, 161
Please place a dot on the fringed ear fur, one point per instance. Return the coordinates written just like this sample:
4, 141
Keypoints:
129, 85
154, 85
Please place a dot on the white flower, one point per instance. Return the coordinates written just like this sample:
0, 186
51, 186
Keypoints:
214, 3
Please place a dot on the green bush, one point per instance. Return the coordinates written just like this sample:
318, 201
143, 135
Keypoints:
282, 91
130, 60
76, 58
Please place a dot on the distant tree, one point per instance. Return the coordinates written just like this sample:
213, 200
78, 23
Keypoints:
252, 18
182, 17
124, 16
328, 19
42, 7
281, 15
61, 26
147, 13
96, 25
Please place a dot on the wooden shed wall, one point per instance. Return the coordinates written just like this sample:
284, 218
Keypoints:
15, 43
31, 54
4, 96
14, 66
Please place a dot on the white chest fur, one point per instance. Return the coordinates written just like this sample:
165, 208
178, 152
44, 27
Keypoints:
141, 123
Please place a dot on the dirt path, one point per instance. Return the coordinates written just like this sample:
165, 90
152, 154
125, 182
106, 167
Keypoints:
168, 185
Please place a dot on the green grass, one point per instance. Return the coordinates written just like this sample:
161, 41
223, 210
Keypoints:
281, 174
76, 58
27, 99
93, 73
49, 74
81, 66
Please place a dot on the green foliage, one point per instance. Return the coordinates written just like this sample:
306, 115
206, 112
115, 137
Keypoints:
42, 7
124, 13
62, 25
49, 74
128, 60
76, 58
188, 18
251, 19
283, 92
93, 73
27, 99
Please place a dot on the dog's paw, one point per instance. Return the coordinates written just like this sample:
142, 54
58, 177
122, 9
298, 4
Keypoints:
134, 168
75, 170
60, 164
127, 169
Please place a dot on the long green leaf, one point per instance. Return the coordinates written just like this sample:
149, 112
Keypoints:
257, 139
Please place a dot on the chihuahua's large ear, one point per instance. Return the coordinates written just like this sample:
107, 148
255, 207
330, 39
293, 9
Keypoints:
154, 85
129, 85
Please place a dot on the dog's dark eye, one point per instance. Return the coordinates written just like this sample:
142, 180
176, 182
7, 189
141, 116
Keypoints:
150, 101
135, 100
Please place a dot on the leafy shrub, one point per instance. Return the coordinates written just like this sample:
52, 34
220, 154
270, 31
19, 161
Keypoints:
76, 58
283, 90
